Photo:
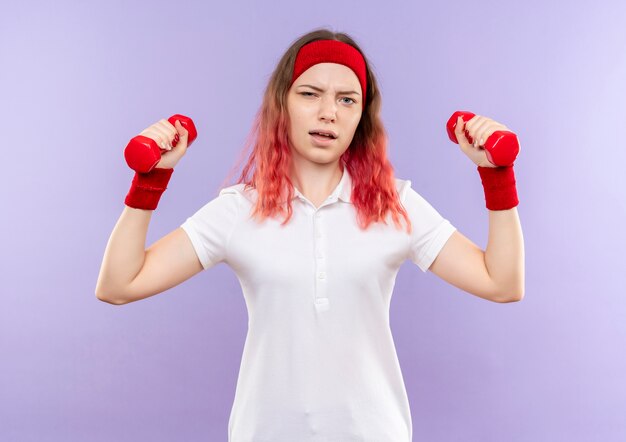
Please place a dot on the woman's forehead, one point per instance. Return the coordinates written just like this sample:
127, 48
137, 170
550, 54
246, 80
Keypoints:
335, 75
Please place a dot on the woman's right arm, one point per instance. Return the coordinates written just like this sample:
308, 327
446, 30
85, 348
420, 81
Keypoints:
130, 273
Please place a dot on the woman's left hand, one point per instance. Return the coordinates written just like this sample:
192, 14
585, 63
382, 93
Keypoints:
479, 128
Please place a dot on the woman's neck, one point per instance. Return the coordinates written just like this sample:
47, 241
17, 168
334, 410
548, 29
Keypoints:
316, 182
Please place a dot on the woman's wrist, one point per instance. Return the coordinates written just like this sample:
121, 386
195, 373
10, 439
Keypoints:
499, 186
147, 188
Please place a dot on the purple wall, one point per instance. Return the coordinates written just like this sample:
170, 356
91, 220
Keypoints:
79, 79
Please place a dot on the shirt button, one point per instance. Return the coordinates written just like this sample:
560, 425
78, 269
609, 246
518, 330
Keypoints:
321, 275
318, 215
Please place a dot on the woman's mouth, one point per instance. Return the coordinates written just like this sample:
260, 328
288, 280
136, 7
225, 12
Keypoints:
321, 140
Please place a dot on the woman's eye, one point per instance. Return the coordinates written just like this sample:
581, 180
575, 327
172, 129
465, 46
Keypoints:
311, 93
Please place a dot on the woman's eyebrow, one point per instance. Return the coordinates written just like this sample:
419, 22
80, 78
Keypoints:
322, 90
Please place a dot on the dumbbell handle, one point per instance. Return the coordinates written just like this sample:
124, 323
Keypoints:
501, 147
143, 154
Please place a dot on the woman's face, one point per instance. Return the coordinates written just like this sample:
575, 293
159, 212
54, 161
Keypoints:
321, 99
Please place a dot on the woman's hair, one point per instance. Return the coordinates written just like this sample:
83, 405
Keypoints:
374, 192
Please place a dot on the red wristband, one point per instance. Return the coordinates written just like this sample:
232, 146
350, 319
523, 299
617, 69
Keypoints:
499, 186
147, 188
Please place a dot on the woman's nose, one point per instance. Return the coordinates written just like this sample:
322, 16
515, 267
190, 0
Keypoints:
328, 108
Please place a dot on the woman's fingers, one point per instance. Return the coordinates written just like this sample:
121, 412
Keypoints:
163, 133
480, 128
169, 128
460, 133
164, 136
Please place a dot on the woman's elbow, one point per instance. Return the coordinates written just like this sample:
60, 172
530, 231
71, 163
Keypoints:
109, 300
516, 297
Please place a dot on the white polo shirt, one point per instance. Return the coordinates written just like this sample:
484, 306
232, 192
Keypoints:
319, 361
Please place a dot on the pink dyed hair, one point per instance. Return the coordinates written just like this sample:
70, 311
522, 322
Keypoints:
374, 192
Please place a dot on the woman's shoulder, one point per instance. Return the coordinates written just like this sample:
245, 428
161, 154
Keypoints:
249, 192
402, 186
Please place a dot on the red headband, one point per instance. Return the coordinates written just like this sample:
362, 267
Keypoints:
331, 51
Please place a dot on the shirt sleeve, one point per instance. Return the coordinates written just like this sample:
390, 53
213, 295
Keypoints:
210, 228
430, 232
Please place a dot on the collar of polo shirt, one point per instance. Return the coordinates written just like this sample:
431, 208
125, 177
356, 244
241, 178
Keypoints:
343, 190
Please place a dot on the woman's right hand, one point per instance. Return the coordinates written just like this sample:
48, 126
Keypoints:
164, 133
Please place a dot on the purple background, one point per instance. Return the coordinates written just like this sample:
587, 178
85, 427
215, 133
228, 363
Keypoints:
79, 79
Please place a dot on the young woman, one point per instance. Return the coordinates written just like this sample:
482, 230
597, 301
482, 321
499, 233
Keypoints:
315, 236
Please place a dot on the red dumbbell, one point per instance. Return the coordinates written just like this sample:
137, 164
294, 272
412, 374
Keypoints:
143, 153
501, 147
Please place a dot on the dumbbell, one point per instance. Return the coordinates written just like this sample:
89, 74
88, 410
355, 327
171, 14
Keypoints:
143, 153
501, 147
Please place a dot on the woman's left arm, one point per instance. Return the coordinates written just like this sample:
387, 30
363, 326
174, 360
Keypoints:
497, 273
504, 256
